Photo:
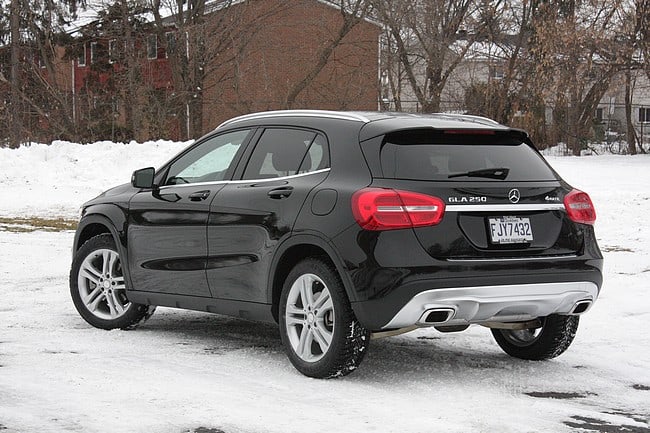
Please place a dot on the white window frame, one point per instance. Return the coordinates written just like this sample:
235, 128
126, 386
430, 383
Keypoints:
112, 51
170, 36
93, 52
82, 56
646, 114
152, 38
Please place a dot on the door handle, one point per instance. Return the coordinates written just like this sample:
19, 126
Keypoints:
281, 192
199, 195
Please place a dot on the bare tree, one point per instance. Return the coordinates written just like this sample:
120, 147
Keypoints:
574, 50
203, 43
352, 13
632, 16
39, 102
16, 129
431, 39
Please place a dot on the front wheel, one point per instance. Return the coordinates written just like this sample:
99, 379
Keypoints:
98, 289
551, 340
319, 331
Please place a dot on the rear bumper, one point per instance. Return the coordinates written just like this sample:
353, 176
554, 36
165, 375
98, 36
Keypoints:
478, 295
503, 303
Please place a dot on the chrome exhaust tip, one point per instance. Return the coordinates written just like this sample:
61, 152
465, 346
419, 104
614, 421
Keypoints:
436, 316
581, 307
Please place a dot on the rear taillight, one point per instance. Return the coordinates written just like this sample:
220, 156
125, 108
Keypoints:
579, 207
389, 209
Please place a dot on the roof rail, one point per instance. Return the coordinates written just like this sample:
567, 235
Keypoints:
479, 119
342, 115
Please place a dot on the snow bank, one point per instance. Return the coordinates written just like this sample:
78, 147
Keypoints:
54, 180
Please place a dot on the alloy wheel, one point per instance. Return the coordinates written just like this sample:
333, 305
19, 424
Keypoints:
309, 317
101, 285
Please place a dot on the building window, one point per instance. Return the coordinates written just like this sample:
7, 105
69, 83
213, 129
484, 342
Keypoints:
152, 47
93, 52
496, 73
112, 51
170, 37
644, 114
81, 59
599, 115
38, 59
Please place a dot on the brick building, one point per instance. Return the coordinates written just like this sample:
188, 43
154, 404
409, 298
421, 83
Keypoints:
279, 63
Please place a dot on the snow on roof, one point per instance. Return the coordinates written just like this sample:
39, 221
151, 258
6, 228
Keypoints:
482, 51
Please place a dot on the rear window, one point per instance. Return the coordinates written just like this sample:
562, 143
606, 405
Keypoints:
453, 157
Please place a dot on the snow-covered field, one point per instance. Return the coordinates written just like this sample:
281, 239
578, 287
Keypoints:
192, 372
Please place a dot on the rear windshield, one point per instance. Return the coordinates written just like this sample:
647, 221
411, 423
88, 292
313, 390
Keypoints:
443, 157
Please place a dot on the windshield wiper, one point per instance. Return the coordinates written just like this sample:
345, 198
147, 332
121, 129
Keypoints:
489, 173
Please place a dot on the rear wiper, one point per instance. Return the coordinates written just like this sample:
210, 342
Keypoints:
489, 173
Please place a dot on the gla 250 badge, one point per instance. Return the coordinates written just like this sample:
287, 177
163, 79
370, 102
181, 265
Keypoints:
470, 199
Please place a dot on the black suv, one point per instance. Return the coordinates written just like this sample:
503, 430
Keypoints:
340, 226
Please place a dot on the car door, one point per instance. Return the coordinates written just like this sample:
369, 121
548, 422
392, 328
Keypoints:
167, 246
250, 216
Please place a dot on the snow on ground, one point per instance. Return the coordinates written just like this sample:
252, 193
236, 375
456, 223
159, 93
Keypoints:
187, 371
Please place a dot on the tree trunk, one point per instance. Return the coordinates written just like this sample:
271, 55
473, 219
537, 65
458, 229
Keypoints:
16, 111
350, 21
630, 132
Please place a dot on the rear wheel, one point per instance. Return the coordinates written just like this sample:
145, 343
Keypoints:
551, 340
98, 290
320, 334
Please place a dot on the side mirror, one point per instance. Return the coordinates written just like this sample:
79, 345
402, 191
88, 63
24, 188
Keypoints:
143, 178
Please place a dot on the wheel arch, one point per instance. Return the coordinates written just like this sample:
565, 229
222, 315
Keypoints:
95, 223
294, 250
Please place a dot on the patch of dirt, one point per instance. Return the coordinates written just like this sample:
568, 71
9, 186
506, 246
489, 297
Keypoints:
598, 425
635, 417
31, 224
616, 249
559, 395
60, 352
204, 430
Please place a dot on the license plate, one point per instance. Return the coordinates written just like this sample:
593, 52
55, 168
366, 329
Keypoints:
510, 230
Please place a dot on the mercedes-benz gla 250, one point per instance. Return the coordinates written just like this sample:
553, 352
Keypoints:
339, 226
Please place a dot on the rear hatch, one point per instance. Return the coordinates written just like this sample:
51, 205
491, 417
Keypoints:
501, 199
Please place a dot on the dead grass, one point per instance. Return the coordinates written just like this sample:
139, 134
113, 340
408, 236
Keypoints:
31, 224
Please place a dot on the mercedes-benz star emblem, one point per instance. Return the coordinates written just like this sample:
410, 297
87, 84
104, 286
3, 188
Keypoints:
514, 195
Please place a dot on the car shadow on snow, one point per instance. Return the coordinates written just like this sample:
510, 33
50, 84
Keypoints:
409, 355
213, 334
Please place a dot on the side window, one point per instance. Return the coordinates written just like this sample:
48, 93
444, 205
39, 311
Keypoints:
285, 152
209, 161
318, 156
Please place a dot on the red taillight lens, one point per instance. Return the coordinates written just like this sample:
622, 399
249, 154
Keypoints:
389, 209
579, 207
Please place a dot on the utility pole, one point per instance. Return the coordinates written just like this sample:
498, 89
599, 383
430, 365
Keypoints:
16, 112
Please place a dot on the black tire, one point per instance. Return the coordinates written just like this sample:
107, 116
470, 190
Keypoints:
551, 340
105, 315
348, 339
